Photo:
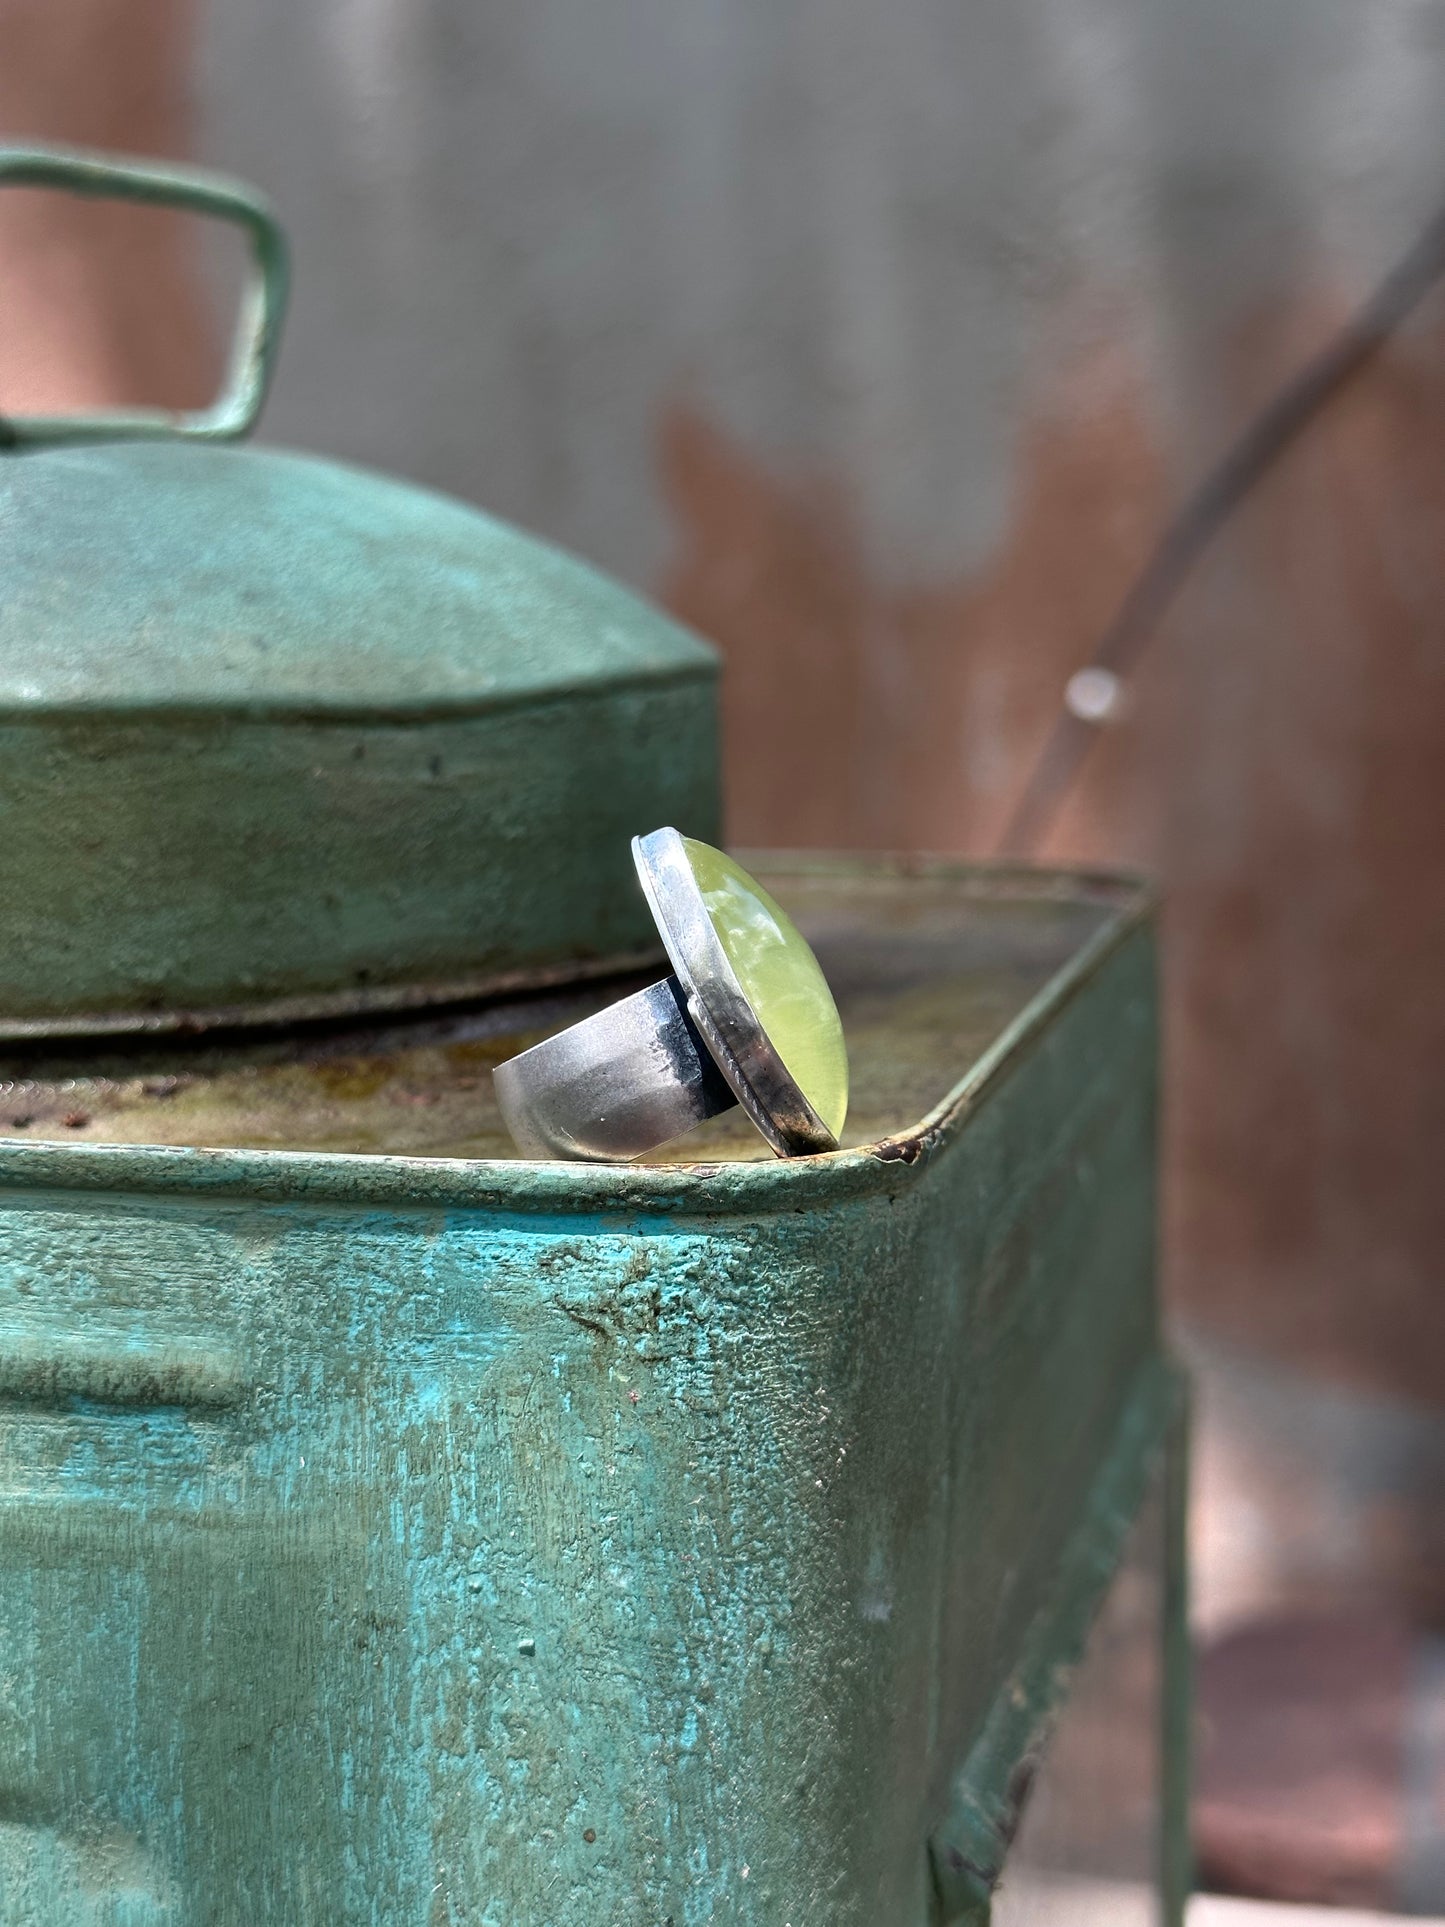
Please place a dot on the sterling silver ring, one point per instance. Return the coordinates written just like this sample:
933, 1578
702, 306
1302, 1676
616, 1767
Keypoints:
747, 1018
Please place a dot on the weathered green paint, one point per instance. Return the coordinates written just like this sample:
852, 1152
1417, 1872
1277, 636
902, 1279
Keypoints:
275, 731
279, 736
393, 1539
970, 1847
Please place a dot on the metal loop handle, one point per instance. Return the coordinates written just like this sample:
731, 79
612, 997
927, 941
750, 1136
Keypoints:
258, 328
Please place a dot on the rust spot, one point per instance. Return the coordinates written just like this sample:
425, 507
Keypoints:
898, 1150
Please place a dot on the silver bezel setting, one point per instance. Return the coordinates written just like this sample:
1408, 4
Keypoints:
718, 1005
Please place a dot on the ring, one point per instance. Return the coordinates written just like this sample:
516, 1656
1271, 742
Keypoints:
746, 1018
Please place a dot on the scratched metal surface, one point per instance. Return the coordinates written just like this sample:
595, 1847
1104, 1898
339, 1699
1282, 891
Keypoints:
390, 1539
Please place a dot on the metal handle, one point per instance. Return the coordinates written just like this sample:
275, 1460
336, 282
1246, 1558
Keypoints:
258, 328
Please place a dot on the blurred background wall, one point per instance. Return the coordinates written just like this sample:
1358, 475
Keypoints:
880, 340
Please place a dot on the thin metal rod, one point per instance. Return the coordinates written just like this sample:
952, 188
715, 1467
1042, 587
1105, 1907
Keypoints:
1248, 459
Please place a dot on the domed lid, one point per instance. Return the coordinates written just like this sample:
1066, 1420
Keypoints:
193, 611
156, 576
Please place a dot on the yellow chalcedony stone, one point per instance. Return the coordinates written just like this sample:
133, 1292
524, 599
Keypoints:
780, 979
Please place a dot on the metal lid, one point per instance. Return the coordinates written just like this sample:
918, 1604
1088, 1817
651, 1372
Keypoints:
279, 734
156, 576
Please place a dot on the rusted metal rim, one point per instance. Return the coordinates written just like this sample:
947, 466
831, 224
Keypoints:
364, 1180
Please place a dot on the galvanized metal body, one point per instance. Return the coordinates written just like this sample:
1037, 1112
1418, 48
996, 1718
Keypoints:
417, 1538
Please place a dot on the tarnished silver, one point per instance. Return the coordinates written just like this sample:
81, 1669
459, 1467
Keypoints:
616, 1084
653, 1065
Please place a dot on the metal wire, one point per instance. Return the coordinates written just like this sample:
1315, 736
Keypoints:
1247, 460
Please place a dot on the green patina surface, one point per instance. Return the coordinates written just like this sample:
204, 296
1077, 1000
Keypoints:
273, 729
167, 577
410, 1538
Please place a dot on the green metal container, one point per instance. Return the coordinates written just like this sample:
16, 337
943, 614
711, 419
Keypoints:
394, 1531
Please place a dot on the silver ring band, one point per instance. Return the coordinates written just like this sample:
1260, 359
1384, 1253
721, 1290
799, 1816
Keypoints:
614, 1085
